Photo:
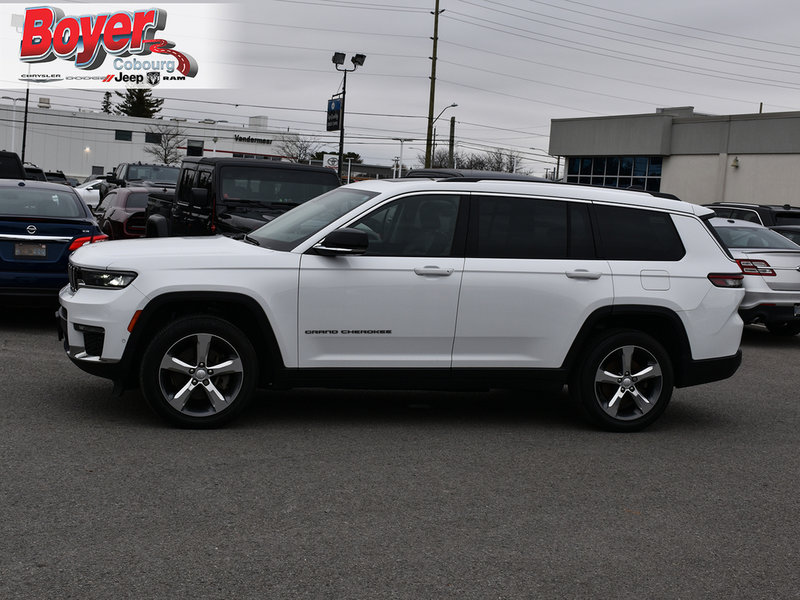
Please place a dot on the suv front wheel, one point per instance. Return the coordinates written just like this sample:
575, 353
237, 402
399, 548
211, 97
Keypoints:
624, 381
199, 372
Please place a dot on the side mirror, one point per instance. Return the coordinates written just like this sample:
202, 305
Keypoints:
343, 241
199, 197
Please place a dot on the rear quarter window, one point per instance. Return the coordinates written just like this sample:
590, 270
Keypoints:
637, 234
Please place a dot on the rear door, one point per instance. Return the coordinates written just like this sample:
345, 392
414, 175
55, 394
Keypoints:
531, 278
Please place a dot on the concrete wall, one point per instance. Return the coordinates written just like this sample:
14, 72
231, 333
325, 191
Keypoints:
761, 178
642, 135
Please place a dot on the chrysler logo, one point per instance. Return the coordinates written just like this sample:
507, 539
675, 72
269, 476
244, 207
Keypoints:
31, 229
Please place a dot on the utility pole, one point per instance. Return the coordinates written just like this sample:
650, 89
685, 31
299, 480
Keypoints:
435, 39
451, 150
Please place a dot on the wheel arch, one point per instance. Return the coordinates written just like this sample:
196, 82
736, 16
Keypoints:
241, 310
663, 324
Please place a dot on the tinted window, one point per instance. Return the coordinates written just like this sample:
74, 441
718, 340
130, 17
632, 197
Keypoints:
31, 202
122, 135
753, 237
636, 234
422, 225
267, 186
787, 218
531, 228
136, 200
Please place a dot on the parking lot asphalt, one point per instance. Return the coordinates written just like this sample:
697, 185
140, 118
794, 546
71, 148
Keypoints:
320, 494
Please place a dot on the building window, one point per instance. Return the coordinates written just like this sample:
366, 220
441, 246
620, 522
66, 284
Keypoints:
194, 148
152, 138
640, 172
123, 136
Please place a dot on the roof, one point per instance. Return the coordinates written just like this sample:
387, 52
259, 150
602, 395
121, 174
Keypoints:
255, 162
34, 184
545, 189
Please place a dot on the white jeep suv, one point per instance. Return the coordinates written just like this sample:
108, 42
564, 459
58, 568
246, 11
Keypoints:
418, 284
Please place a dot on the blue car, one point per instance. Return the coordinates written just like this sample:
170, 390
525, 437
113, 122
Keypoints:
41, 224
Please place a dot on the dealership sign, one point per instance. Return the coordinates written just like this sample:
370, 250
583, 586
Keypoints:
130, 46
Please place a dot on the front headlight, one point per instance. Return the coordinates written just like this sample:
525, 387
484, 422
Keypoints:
94, 278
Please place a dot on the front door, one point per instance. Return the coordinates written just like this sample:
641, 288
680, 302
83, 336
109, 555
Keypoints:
396, 305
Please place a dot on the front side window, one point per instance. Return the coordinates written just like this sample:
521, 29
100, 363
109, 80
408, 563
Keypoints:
422, 225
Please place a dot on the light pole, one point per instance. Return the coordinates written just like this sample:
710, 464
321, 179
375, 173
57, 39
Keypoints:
401, 140
13, 120
338, 60
428, 147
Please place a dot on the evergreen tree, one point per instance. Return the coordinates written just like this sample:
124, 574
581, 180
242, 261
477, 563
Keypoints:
138, 103
106, 106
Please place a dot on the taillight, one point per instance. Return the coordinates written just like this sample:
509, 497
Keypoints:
756, 267
82, 241
727, 280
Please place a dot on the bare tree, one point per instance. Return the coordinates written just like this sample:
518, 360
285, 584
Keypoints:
299, 148
167, 139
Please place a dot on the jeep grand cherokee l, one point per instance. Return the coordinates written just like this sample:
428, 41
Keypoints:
418, 284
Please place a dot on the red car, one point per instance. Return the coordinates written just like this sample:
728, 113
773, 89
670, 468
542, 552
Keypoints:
121, 214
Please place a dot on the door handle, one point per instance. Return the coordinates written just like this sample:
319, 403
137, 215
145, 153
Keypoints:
583, 274
431, 271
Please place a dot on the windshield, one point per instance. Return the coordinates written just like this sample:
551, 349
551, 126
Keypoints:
297, 225
754, 237
32, 202
267, 186
160, 174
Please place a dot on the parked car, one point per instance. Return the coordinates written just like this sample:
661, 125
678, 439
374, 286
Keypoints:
418, 284
233, 196
771, 265
120, 214
34, 173
763, 214
154, 175
41, 224
789, 231
11, 166
56, 177
90, 192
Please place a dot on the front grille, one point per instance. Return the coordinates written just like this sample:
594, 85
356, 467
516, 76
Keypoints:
72, 273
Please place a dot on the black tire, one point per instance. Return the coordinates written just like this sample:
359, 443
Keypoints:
624, 382
199, 372
788, 328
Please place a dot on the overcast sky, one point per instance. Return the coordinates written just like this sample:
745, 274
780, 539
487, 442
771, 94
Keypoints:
510, 65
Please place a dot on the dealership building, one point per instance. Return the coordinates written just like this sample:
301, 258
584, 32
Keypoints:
82, 143
700, 158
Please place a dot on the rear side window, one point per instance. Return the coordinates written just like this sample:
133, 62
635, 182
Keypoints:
637, 234
530, 228
787, 218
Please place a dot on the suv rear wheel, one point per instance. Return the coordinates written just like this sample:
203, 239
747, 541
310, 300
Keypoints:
625, 380
199, 372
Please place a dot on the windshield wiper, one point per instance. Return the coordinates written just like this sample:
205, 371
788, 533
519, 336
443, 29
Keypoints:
251, 240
